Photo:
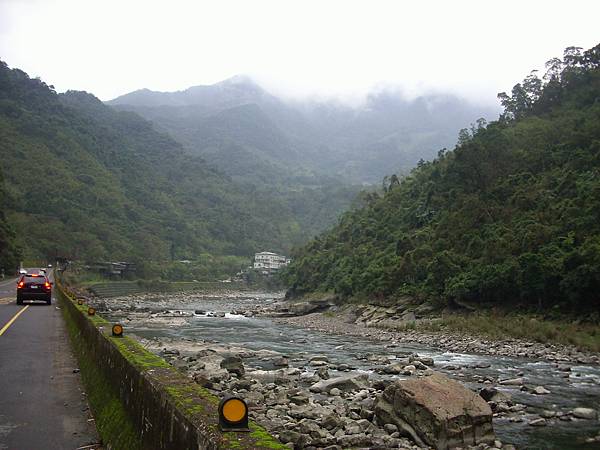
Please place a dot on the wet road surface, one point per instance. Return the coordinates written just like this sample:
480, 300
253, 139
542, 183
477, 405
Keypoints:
42, 404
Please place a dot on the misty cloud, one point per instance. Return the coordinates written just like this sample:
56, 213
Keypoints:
295, 49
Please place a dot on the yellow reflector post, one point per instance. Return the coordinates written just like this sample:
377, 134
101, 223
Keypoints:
233, 414
234, 410
117, 330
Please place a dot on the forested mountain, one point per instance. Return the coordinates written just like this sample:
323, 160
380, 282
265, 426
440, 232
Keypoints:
511, 216
9, 253
88, 182
252, 135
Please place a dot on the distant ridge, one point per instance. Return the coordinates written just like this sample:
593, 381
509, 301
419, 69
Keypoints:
388, 133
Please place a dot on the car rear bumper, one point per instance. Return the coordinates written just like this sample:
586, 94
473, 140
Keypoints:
34, 295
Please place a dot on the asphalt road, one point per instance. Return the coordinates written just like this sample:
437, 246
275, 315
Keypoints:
7, 288
42, 402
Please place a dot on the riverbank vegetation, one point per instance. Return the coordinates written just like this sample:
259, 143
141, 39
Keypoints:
10, 253
509, 218
498, 325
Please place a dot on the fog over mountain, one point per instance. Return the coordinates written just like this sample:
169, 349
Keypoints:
247, 132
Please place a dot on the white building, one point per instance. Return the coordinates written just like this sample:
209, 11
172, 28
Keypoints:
270, 262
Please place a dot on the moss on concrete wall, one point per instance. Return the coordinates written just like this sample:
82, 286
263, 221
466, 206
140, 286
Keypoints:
140, 401
112, 421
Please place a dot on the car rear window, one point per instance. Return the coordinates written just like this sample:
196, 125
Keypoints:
35, 279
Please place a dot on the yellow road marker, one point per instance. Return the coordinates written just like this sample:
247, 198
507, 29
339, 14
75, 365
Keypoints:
10, 322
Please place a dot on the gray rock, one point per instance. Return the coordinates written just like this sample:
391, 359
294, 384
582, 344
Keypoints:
541, 422
513, 381
319, 363
364, 425
353, 429
289, 436
292, 371
427, 361
233, 364
487, 393
330, 422
585, 413
281, 362
392, 369
409, 370
419, 365
390, 428
180, 364
354, 440
540, 390
299, 400
344, 384
242, 384
303, 308
269, 376
322, 373
335, 391
367, 414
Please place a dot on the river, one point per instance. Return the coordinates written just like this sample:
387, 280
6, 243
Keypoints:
578, 388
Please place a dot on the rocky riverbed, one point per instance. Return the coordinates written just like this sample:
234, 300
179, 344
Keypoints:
380, 322
319, 390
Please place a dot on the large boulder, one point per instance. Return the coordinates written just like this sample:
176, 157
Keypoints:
436, 411
315, 305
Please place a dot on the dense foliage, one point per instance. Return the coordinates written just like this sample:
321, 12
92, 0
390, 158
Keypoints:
511, 216
87, 182
9, 253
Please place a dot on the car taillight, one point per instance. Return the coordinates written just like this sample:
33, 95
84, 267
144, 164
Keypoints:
47, 285
21, 284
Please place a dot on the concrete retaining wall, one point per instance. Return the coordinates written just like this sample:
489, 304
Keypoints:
138, 400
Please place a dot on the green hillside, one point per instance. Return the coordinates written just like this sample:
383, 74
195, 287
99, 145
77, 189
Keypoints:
88, 182
511, 216
9, 253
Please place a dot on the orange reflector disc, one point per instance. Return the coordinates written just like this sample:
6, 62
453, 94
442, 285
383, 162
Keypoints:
234, 410
117, 330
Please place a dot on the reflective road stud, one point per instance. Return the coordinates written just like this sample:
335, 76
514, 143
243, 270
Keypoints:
117, 330
233, 414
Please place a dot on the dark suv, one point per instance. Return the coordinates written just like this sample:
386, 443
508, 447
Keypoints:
34, 287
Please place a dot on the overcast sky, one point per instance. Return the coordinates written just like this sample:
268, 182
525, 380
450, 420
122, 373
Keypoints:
297, 48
